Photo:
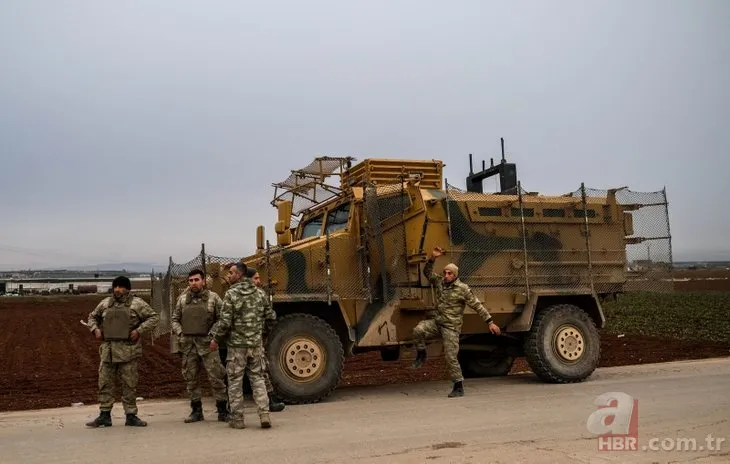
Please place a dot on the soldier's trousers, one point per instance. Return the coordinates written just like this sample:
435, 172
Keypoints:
223, 352
191, 362
430, 329
267, 379
246, 361
128, 375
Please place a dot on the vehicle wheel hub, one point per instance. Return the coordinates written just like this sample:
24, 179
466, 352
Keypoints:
303, 359
569, 343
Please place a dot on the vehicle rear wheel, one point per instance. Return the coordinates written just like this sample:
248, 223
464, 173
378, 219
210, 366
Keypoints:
475, 364
305, 358
563, 345
390, 354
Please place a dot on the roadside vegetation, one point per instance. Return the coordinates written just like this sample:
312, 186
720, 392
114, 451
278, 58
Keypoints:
697, 316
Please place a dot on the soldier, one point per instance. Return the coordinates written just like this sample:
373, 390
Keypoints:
119, 321
222, 349
269, 320
452, 296
196, 310
241, 324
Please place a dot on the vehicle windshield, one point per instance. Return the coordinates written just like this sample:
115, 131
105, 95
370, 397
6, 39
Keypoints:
313, 227
337, 218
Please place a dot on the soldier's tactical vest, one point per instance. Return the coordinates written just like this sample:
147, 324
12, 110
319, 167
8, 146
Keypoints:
116, 322
195, 317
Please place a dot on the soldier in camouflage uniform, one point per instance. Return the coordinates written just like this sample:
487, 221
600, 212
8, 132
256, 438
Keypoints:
452, 297
119, 321
196, 310
269, 319
241, 324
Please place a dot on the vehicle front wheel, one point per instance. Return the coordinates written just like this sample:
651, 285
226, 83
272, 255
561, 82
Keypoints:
305, 358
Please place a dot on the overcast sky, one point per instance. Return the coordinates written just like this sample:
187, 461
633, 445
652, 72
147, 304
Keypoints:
134, 131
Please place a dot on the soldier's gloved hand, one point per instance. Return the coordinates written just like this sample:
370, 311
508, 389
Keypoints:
98, 334
134, 335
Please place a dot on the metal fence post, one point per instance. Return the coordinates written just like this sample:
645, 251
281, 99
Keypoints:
669, 232
202, 257
587, 234
524, 238
327, 266
448, 219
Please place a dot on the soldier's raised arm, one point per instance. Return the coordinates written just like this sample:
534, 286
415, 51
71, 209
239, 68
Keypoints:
176, 316
94, 319
149, 317
428, 268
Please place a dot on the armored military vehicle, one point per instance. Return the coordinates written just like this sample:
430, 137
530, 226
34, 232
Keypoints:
345, 274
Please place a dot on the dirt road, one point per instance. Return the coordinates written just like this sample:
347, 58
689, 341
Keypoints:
508, 420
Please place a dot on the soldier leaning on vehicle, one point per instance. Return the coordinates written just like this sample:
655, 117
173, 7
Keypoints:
195, 312
119, 322
453, 296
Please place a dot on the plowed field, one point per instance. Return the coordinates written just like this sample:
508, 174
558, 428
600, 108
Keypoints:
51, 360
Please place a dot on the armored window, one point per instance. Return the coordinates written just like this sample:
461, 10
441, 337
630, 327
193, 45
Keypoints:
337, 218
591, 213
528, 212
490, 211
313, 227
553, 212
390, 206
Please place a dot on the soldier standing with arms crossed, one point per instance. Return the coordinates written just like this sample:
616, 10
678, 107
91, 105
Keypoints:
196, 310
452, 296
119, 322
241, 324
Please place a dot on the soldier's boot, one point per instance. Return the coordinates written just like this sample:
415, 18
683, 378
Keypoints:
274, 404
134, 421
222, 406
420, 359
104, 420
197, 413
265, 420
236, 422
458, 390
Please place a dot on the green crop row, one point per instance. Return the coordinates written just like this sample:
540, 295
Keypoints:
681, 315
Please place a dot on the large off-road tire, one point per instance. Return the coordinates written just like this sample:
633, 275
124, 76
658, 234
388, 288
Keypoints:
563, 345
305, 358
475, 364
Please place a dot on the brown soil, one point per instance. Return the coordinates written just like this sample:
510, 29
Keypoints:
702, 280
51, 360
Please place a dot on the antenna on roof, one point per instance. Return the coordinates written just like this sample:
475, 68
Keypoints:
507, 175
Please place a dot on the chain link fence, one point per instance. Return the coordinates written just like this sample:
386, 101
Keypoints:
165, 289
574, 243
